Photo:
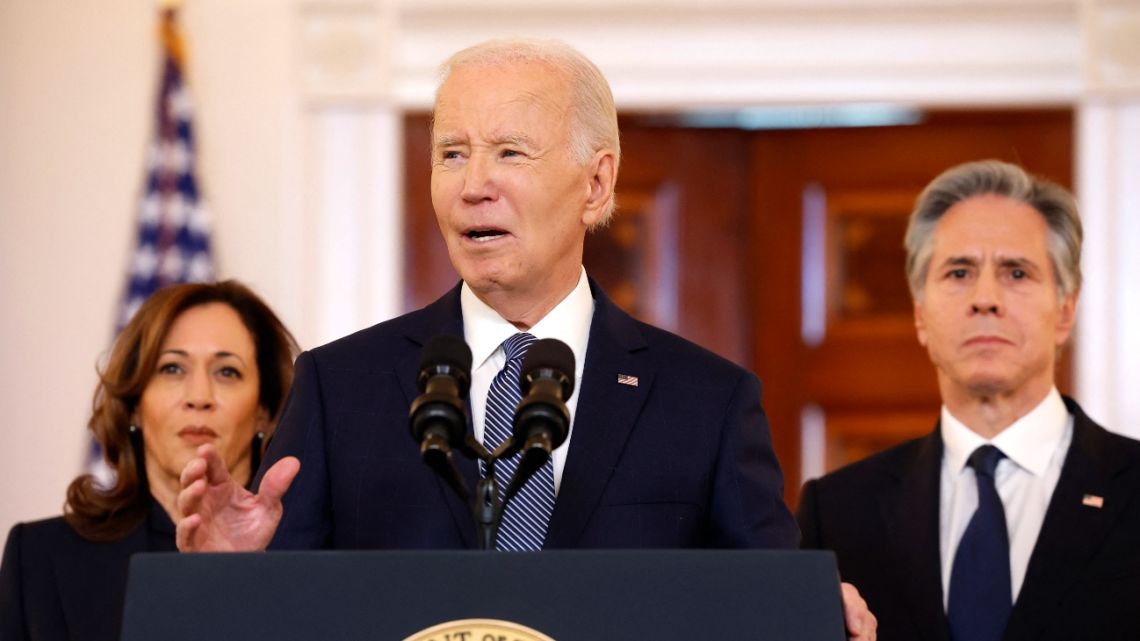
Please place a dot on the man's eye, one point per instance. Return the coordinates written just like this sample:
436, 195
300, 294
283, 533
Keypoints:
1018, 274
957, 273
510, 153
450, 155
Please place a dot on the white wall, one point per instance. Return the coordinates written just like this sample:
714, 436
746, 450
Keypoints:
298, 128
75, 85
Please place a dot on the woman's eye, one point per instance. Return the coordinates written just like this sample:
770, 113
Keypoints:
957, 273
230, 372
169, 368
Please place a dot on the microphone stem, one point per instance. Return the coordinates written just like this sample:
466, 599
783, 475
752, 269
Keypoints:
487, 509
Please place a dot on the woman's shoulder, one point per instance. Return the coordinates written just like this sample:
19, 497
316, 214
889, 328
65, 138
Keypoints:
46, 537
43, 532
55, 537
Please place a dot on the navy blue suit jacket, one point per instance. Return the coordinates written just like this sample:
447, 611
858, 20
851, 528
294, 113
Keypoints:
683, 459
880, 516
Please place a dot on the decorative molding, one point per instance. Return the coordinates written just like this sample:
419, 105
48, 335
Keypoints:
344, 50
730, 54
1112, 46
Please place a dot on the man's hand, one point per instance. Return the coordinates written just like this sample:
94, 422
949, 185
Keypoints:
219, 515
861, 624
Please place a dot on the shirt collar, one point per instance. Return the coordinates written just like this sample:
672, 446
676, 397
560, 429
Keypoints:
1030, 441
485, 330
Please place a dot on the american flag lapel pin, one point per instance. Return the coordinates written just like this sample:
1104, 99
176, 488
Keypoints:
1092, 500
626, 379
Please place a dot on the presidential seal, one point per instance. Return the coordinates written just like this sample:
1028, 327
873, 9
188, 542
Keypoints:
479, 630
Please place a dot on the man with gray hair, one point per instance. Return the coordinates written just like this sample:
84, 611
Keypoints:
1018, 517
668, 445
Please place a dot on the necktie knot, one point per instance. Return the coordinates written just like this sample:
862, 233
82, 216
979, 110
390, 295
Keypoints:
515, 347
985, 460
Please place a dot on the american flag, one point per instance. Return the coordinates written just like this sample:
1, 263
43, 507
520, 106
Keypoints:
173, 243
173, 235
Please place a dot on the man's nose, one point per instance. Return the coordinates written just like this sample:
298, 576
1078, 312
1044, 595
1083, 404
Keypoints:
478, 178
987, 296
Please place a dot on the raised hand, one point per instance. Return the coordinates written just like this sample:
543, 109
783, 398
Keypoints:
219, 515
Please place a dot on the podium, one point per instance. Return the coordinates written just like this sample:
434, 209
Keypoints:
695, 595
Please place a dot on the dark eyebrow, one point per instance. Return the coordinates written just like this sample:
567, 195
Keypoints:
1017, 263
183, 353
960, 261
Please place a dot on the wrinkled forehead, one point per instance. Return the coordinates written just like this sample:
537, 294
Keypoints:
475, 89
992, 227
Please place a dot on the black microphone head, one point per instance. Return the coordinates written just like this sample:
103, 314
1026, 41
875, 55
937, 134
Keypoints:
553, 356
446, 349
444, 378
446, 354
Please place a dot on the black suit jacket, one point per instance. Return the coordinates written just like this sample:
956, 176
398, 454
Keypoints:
58, 586
881, 516
681, 459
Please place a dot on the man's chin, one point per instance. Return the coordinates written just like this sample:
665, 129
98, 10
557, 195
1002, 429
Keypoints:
989, 384
485, 283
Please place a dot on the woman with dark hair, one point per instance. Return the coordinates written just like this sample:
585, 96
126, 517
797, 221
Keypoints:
198, 363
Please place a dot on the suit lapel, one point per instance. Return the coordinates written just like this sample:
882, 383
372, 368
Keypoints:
605, 415
1072, 531
912, 517
444, 316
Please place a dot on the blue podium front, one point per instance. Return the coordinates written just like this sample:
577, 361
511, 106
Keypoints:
692, 595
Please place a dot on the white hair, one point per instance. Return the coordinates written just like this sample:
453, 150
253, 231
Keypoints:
594, 115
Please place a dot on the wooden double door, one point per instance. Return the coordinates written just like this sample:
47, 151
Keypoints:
782, 251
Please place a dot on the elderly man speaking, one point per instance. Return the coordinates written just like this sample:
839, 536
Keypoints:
668, 445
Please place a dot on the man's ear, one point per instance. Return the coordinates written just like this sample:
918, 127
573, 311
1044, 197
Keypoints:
1066, 317
919, 323
600, 187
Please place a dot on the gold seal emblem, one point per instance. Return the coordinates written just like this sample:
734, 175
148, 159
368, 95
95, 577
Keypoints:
479, 630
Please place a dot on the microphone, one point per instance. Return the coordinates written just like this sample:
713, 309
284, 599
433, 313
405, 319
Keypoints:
438, 417
542, 420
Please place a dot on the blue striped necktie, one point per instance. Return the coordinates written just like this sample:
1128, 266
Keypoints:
527, 515
980, 597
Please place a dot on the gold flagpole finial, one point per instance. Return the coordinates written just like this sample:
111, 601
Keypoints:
168, 30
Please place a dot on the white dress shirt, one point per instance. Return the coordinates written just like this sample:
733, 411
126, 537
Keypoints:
1034, 446
484, 330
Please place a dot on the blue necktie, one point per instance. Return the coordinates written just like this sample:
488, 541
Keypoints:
980, 594
528, 513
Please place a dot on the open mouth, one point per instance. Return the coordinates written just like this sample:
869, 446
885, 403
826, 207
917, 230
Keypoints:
483, 235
